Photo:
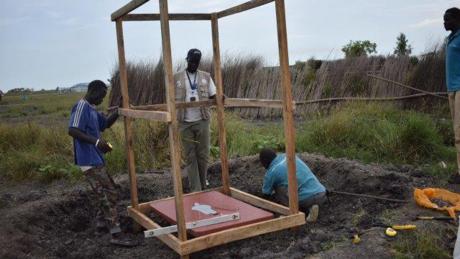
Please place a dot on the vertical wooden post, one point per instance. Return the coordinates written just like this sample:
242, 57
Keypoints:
220, 105
127, 121
174, 143
288, 117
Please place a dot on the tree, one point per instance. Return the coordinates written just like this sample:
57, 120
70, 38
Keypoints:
402, 46
359, 48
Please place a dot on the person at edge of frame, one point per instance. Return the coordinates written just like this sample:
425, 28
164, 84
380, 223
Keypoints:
85, 127
452, 23
311, 192
194, 85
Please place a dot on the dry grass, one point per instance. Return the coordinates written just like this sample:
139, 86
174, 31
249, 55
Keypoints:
246, 77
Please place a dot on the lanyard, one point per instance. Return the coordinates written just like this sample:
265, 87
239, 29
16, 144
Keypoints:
193, 86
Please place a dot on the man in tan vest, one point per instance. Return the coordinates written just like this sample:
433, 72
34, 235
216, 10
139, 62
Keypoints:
193, 85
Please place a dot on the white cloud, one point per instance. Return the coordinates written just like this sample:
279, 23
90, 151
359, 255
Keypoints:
427, 23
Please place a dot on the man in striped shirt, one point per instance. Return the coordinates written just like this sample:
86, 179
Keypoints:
85, 126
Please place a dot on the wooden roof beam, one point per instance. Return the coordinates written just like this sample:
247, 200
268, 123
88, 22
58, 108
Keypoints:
242, 7
127, 8
172, 17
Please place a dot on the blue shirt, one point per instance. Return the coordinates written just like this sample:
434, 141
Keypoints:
307, 183
453, 62
85, 118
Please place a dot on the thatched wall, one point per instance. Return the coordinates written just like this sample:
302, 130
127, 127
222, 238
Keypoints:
248, 78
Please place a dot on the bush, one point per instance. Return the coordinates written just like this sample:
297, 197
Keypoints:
30, 151
245, 138
419, 138
374, 133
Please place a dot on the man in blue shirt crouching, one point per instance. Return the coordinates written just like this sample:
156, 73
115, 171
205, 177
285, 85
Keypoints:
311, 192
85, 126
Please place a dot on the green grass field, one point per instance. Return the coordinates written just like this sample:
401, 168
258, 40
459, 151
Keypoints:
34, 142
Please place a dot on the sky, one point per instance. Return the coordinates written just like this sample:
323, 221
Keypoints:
46, 44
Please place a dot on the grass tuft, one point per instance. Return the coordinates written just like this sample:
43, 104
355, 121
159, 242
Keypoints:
420, 244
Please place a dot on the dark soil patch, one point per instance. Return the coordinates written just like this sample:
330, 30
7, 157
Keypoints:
57, 221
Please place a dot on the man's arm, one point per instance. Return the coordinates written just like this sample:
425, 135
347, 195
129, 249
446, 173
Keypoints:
99, 143
112, 118
78, 134
269, 181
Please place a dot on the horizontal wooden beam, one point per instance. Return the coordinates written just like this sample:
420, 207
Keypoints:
169, 239
238, 233
162, 106
259, 202
172, 17
257, 103
242, 7
127, 8
149, 115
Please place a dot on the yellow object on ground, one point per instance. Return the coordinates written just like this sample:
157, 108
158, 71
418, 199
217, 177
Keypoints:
403, 227
423, 198
390, 232
356, 239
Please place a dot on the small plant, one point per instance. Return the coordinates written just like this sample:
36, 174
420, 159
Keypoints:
214, 152
268, 142
51, 172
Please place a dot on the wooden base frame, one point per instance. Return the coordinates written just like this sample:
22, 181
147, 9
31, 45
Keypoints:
289, 216
183, 248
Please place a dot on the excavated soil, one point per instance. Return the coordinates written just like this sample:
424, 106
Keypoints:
57, 221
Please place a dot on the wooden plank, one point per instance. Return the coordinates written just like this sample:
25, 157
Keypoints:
242, 7
127, 121
288, 117
174, 143
164, 107
248, 102
172, 17
193, 224
127, 8
169, 239
149, 115
259, 202
229, 235
220, 105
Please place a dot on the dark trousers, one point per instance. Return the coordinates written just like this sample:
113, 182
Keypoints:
106, 192
195, 149
282, 196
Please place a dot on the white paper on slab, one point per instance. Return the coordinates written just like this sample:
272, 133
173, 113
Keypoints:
203, 208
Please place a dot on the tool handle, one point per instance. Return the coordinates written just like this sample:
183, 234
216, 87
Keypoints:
433, 218
404, 227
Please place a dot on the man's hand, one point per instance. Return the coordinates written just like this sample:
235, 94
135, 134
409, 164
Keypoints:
103, 146
112, 118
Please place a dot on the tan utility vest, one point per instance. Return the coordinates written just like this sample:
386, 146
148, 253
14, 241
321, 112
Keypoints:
203, 79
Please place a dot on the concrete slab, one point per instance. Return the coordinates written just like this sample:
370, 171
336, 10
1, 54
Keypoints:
220, 203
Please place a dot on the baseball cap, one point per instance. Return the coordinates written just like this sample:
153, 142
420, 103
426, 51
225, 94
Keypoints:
194, 55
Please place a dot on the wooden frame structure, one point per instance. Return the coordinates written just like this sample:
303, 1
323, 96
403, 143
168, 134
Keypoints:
289, 217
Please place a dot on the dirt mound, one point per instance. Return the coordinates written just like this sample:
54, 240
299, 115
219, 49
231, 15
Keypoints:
58, 221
